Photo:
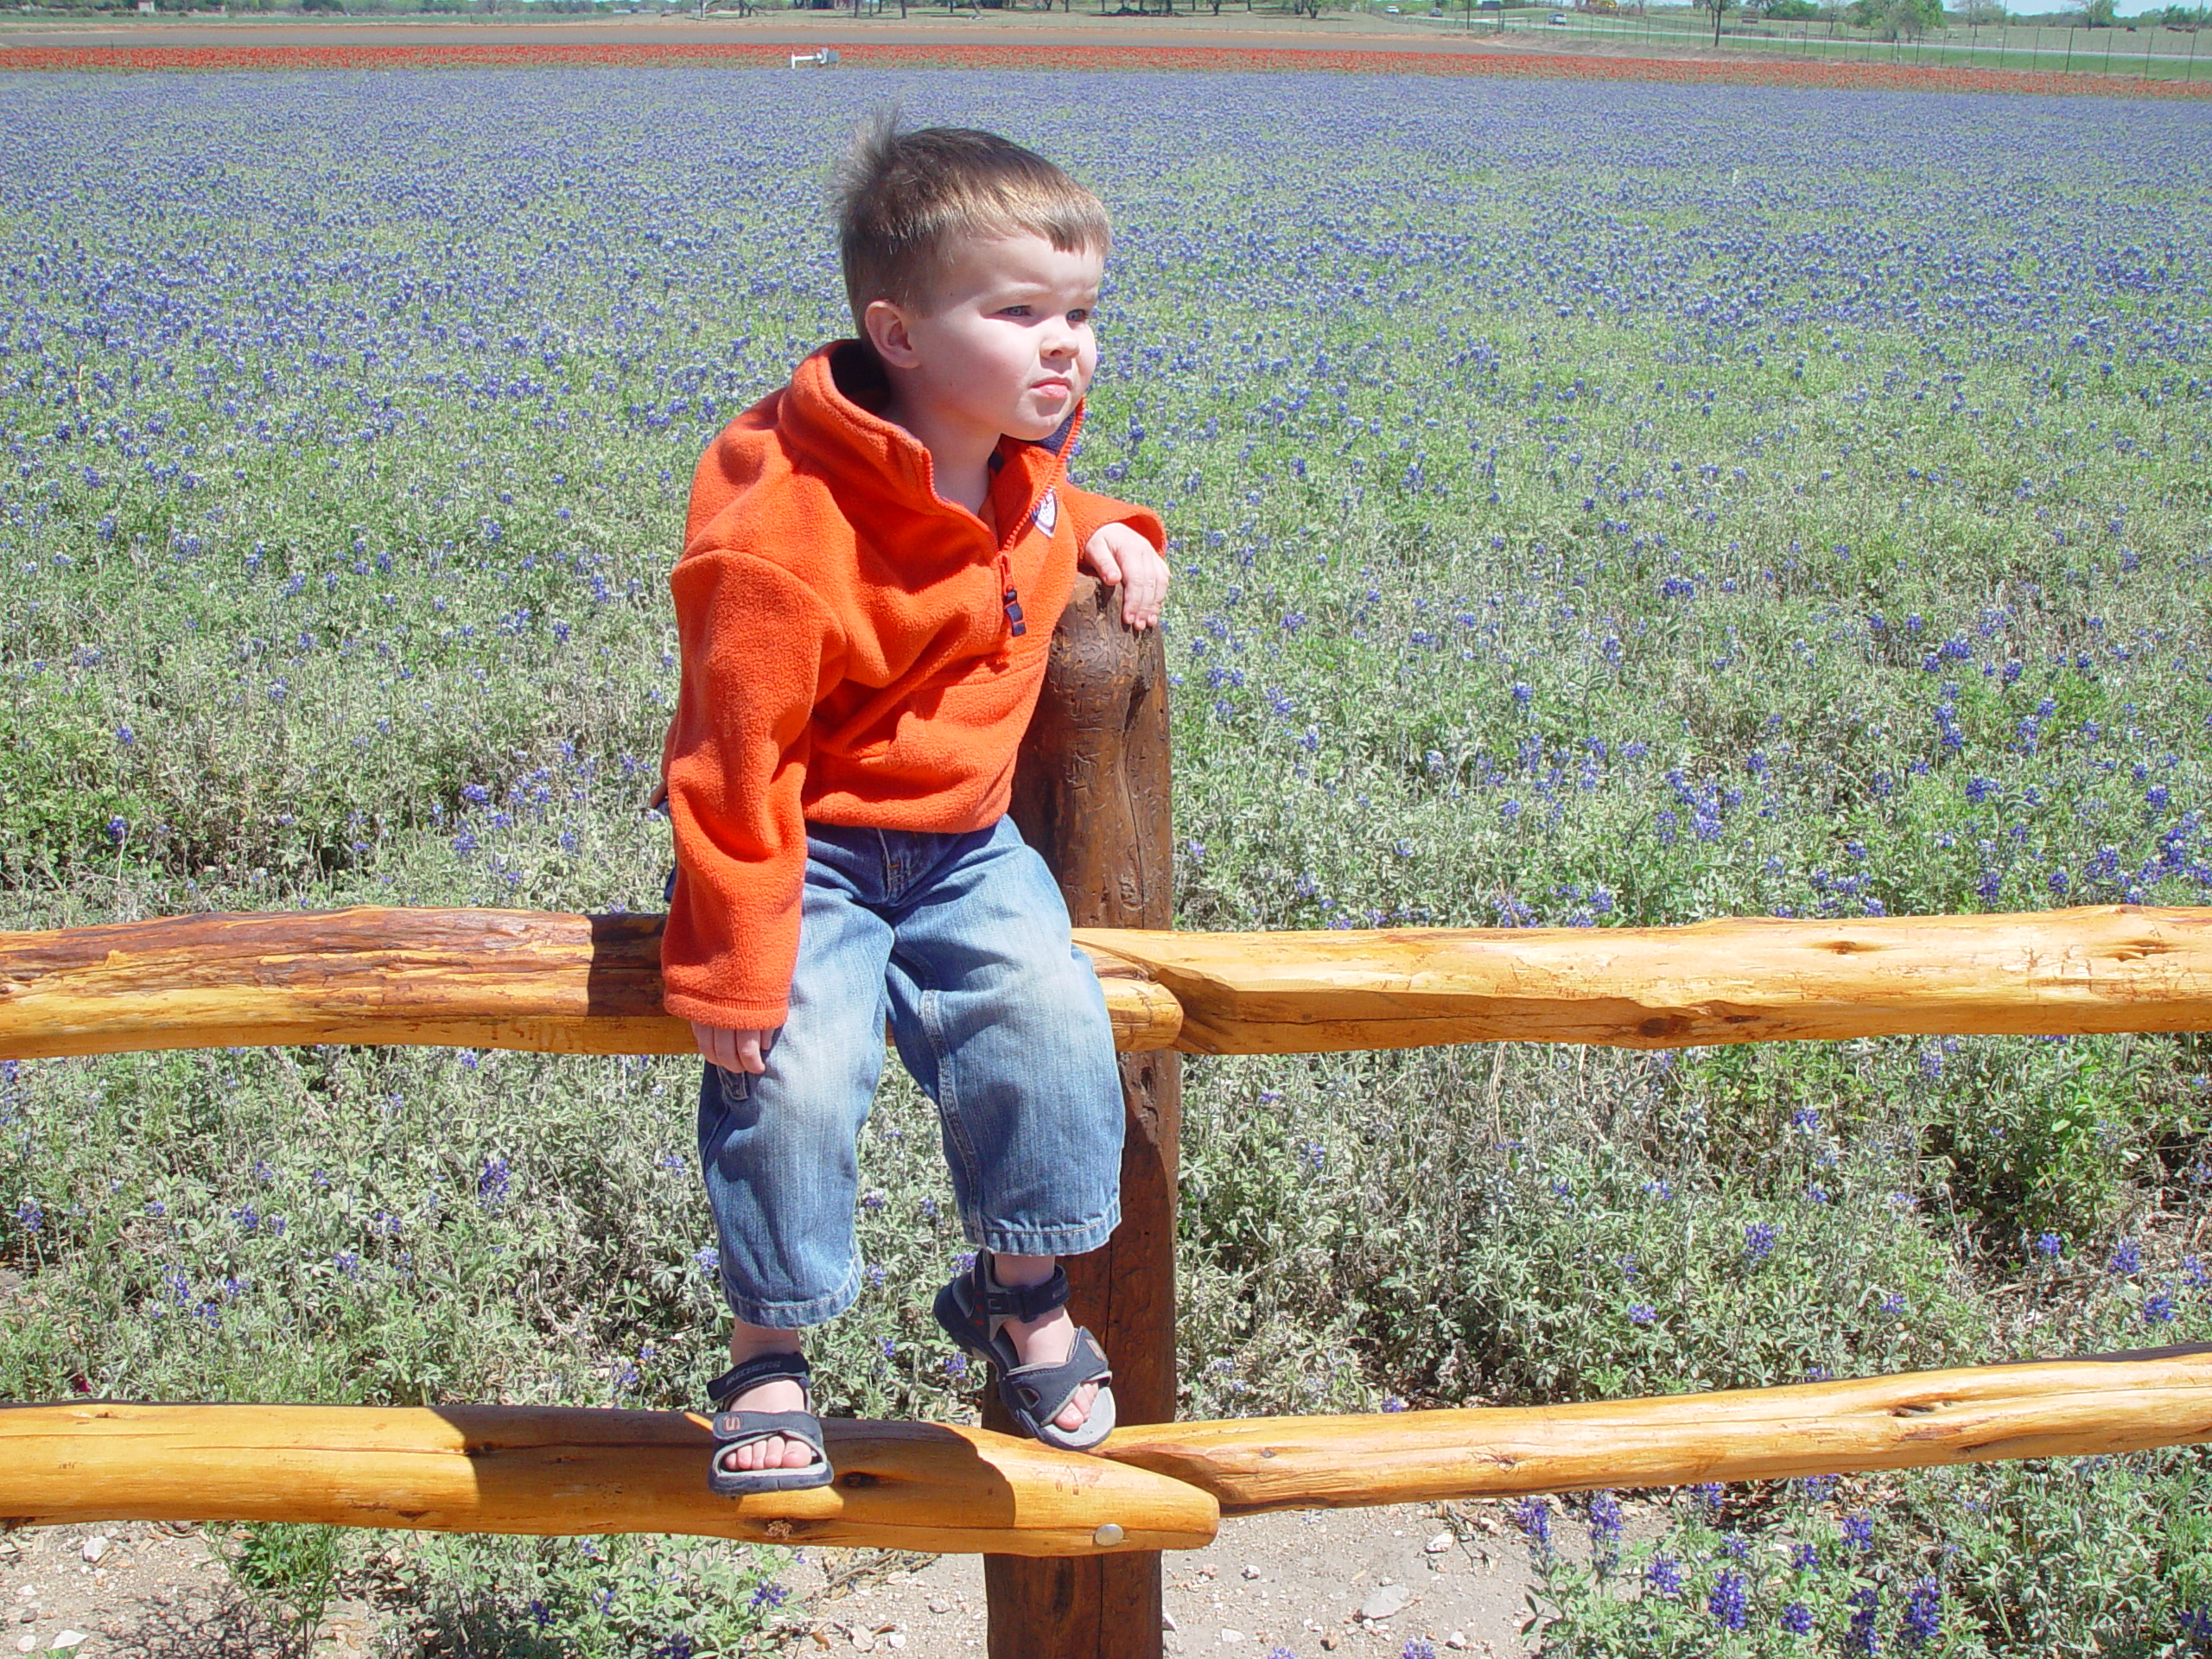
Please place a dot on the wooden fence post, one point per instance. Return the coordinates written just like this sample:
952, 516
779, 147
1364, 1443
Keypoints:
1091, 794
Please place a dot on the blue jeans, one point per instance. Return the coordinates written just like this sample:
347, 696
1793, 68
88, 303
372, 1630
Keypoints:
962, 940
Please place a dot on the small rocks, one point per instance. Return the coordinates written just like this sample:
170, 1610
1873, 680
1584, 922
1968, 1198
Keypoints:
65, 1640
1232, 1638
1442, 1543
94, 1548
1251, 1572
1383, 1601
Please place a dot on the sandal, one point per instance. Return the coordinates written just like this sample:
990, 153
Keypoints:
974, 1310
733, 1428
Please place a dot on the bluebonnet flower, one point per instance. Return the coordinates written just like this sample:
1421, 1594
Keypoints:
1640, 1313
1796, 1619
2127, 1259
1533, 1516
1606, 1523
1664, 1575
1730, 1600
1923, 1614
2050, 1246
492, 1182
1759, 1240
1858, 1529
1866, 1605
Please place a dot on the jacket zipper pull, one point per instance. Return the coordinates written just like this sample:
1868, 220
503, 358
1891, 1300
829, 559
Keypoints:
1014, 611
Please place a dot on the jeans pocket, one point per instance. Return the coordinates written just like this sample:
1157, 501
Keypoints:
667, 887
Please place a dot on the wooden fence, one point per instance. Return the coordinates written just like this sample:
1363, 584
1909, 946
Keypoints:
1071, 1543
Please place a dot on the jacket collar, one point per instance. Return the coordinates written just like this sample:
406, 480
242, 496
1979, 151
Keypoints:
833, 414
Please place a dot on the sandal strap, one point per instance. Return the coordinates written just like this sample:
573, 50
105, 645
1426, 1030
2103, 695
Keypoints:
1026, 1302
761, 1368
734, 1428
1042, 1391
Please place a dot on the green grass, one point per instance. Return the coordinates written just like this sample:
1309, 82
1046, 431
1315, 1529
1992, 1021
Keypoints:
407, 641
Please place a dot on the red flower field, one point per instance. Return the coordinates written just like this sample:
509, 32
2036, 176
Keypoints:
1544, 67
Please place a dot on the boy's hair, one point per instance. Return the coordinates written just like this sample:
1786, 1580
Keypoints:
905, 199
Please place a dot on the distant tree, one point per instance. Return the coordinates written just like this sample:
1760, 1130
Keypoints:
1792, 11
2094, 14
1717, 7
1897, 19
1981, 14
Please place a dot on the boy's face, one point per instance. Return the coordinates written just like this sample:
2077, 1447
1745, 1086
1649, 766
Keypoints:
1005, 347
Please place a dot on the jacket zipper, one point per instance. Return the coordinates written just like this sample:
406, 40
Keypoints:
1009, 598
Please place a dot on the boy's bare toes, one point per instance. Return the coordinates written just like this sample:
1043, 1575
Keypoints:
1078, 1409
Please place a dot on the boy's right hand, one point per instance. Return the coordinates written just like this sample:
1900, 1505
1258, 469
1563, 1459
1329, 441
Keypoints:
734, 1051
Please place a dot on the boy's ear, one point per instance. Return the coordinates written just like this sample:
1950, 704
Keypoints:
887, 332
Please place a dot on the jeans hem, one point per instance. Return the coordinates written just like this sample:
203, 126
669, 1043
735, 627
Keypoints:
1077, 1239
794, 1316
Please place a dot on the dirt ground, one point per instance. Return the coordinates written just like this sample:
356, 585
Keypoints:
1300, 1581
1457, 1577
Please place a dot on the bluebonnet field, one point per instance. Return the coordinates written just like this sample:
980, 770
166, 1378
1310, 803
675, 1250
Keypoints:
1595, 505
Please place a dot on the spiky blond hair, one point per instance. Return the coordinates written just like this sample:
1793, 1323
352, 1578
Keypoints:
906, 200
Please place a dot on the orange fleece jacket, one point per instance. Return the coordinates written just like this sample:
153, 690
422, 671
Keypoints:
848, 656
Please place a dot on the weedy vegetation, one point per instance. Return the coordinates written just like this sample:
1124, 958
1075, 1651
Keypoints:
1595, 505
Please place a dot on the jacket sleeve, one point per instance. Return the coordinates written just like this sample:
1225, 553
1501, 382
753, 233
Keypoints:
756, 645
1089, 513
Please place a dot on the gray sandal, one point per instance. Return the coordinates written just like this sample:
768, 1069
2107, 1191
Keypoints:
734, 1428
974, 1309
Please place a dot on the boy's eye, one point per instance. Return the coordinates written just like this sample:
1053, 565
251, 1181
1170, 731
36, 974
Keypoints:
1079, 315
1013, 311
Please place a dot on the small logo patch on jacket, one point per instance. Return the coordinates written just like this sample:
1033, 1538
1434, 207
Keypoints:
1047, 515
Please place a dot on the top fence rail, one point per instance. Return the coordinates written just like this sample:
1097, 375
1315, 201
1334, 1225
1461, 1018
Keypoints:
591, 984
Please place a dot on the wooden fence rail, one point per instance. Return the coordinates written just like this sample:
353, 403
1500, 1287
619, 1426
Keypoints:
1070, 1543
591, 984
551, 1470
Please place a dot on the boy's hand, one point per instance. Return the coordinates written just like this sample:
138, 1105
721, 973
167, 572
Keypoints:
733, 1051
1115, 553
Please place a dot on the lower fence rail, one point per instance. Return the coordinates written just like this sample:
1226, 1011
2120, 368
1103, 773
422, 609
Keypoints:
923, 1487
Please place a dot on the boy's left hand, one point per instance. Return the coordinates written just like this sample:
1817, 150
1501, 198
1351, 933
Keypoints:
1115, 554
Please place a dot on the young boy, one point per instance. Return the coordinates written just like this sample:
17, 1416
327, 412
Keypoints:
874, 560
